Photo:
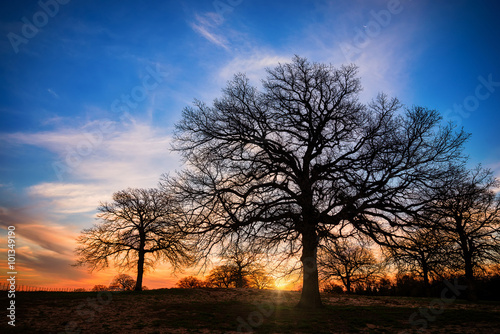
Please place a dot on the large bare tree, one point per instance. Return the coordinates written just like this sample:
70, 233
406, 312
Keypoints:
290, 164
139, 229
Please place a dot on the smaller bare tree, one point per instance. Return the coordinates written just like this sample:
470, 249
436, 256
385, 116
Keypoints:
260, 279
243, 261
467, 209
348, 261
122, 282
139, 229
190, 282
423, 251
222, 277
99, 287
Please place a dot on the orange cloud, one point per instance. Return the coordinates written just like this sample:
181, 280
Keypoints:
44, 258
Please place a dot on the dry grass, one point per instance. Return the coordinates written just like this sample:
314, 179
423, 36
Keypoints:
225, 310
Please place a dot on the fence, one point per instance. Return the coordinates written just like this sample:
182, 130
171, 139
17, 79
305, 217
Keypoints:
28, 288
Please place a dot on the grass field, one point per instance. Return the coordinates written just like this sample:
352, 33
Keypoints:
240, 310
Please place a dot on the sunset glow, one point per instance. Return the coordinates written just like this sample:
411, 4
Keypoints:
89, 102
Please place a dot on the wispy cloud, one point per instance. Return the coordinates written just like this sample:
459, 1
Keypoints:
70, 198
44, 248
206, 26
35, 229
382, 54
253, 64
54, 94
96, 164
54, 213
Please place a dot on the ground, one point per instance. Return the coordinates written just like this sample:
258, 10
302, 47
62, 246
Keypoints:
242, 310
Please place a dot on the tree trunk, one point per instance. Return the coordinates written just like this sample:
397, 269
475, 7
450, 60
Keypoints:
348, 285
140, 272
425, 271
467, 251
140, 264
310, 297
469, 277
239, 278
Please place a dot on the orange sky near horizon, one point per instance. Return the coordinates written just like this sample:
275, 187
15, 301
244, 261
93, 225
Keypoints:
44, 258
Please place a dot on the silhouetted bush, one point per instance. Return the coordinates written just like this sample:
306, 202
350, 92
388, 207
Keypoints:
190, 282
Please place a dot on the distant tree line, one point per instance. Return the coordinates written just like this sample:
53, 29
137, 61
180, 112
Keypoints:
121, 282
227, 277
241, 268
410, 285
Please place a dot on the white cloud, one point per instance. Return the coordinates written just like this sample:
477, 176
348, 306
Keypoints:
380, 70
210, 36
253, 65
49, 140
54, 94
207, 26
93, 162
382, 51
70, 198
382, 65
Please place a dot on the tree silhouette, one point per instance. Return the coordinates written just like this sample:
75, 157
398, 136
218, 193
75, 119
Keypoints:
99, 287
122, 282
241, 266
260, 279
242, 259
138, 230
290, 165
467, 209
223, 277
229, 276
348, 261
190, 282
422, 251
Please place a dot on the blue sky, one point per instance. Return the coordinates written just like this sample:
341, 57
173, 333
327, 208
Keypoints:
90, 91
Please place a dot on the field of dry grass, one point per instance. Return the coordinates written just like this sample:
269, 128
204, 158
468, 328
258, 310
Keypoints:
241, 310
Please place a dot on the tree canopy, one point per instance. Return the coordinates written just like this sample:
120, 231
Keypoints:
466, 209
350, 261
137, 230
302, 160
